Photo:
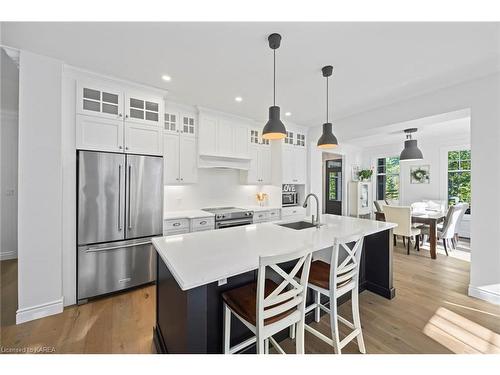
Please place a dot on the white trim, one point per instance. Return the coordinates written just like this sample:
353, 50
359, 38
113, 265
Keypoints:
483, 294
6, 255
39, 311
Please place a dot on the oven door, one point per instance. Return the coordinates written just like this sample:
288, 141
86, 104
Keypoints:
232, 223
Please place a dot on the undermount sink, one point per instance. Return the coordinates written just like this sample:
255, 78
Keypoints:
298, 225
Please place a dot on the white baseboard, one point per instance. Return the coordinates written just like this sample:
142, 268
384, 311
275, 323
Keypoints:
39, 311
6, 255
483, 294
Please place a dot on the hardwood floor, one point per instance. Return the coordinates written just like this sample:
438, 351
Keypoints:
430, 314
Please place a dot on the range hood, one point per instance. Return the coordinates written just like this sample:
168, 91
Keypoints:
223, 162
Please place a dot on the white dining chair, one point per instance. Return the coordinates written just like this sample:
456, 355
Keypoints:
334, 282
464, 207
379, 205
265, 307
401, 215
446, 233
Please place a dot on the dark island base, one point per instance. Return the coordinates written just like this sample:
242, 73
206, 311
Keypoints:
191, 321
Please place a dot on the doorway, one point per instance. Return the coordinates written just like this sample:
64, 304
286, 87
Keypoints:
333, 186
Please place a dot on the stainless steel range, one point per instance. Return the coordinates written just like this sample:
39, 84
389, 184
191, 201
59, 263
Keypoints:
226, 217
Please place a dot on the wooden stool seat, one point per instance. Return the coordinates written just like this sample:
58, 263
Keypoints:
243, 301
319, 275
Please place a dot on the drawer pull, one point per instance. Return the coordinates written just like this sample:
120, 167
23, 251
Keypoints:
203, 222
176, 224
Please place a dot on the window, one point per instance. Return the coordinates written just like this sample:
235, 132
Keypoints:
388, 179
459, 164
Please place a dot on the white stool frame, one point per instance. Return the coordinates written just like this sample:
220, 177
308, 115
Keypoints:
295, 296
344, 278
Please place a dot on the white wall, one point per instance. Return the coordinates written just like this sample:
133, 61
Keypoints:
40, 188
9, 92
481, 96
216, 188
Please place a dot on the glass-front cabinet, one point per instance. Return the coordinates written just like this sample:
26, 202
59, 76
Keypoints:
99, 101
143, 109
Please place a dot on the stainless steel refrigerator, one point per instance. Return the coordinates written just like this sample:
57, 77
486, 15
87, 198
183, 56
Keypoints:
120, 205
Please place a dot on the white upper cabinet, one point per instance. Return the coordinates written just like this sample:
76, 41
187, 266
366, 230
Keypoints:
171, 122
99, 134
259, 172
142, 139
294, 165
143, 108
171, 156
102, 126
207, 139
180, 158
188, 169
93, 99
175, 121
223, 137
188, 125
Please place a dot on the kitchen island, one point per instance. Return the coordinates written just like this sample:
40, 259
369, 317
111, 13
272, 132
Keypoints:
194, 269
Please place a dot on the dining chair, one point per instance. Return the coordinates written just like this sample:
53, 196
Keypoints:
265, 307
446, 233
334, 280
401, 215
379, 205
464, 207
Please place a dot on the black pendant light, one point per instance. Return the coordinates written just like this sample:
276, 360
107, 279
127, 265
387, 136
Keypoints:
274, 128
411, 151
327, 139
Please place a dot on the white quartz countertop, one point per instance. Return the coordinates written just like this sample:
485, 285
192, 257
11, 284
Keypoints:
259, 208
200, 258
186, 214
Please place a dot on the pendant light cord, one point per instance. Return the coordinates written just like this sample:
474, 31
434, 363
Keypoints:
327, 99
274, 77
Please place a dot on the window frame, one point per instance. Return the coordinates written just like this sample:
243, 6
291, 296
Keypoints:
377, 173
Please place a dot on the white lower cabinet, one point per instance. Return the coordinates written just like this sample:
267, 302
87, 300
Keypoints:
293, 213
180, 159
99, 134
267, 215
175, 226
202, 224
142, 139
183, 225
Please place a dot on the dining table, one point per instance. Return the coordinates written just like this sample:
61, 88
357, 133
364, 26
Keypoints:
427, 217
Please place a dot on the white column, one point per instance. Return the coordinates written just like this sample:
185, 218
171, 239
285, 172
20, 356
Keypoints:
40, 188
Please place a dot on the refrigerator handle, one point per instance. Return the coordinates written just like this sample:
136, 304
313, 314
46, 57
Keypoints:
119, 196
129, 195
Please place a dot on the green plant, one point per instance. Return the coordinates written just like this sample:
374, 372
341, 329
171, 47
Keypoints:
365, 174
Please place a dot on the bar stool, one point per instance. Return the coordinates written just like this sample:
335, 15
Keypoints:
265, 307
334, 282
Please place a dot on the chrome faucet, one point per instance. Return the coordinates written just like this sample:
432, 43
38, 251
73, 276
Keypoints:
315, 220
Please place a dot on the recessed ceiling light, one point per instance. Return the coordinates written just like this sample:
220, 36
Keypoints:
238, 99
166, 78
288, 113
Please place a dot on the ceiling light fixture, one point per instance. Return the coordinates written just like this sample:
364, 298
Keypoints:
411, 151
274, 128
288, 114
238, 99
166, 78
327, 139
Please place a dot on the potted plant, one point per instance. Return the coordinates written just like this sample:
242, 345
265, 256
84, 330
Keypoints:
365, 174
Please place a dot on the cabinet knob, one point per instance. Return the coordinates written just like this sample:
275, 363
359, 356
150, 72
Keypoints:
182, 179
120, 147
120, 115
126, 116
126, 148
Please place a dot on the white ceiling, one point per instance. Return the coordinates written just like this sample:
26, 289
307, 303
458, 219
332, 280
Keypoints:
211, 63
